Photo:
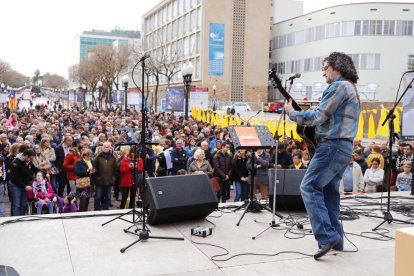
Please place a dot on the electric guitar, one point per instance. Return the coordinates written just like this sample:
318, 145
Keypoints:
305, 132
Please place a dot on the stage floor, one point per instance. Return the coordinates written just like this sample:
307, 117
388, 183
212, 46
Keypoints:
81, 246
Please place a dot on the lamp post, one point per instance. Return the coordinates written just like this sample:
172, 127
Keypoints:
84, 95
187, 72
99, 85
125, 81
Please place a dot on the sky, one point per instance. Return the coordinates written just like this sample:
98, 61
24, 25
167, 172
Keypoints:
42, 34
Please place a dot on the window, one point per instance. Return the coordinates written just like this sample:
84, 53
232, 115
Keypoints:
193, 24
348, 28
357, 27
389, 27
411, 62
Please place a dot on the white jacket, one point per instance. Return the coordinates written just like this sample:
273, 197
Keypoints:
373, 178
357, 179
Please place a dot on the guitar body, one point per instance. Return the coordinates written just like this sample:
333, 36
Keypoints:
305, 132
308, 135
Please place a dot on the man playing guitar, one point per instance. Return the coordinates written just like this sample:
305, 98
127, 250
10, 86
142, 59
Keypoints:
336, 121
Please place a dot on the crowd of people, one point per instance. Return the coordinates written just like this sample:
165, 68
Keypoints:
57, 160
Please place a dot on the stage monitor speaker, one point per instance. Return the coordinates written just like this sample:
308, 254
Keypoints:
180, 197
288, 197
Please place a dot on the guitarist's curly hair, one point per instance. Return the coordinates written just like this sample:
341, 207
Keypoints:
344, 64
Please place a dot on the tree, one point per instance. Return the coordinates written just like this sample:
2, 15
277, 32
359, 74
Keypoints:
13, 78
4, 68
54, 81
36, 77
165, 62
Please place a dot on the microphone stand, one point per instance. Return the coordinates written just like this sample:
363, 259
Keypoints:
273, 223
143, 232
387, 217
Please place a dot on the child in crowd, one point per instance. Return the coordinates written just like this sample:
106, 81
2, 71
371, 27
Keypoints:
67, 204
404, 179
42, 193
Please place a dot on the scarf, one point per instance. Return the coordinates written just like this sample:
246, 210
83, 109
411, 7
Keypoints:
39, 187
88, 163
106, 155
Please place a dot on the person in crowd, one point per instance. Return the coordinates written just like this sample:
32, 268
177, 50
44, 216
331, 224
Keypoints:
127, 173
49, 153
297, 161
190, 149
84, 167
200, 165
240, 175
373, 177
149, 159
105, 177
306, 158
406, 156
217, 137
66, 204
353, 179
69, 164
162, 168
218, 146
405, 179
61, 151
284, 158
207, 153
357, 155
3, 176
223, 170
40, 161
261, 179
178, 157
21, 175
336, 124
42, 193
375, 153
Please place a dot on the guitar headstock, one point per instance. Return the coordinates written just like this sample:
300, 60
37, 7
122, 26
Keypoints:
274, 78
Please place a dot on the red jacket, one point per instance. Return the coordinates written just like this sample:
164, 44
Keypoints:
69, 164
126, 180
49, 194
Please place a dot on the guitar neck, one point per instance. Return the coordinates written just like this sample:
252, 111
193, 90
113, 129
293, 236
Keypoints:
288, 97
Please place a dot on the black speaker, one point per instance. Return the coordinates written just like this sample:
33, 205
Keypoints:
180, 197
288, 197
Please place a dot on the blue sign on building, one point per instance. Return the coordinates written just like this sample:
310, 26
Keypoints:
216, 50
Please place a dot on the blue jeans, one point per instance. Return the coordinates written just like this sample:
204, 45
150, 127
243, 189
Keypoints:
320, 190
102, 197
19, 200
242, 190
53, 182
39, 207
2, 211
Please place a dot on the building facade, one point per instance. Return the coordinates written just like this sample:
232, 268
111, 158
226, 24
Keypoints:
378, 36
90, 39
226, 41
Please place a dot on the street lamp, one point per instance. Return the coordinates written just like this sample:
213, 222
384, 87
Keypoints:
214, 89
187, 72
84, 95
99, 85
125, 80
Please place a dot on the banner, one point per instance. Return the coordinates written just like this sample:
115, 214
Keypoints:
216, 50
199, 97
118, 97
175, 99
407, 131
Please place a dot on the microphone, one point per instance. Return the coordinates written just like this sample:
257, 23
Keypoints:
296, 76
147, 55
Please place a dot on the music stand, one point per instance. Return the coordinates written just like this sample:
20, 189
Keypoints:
252, 138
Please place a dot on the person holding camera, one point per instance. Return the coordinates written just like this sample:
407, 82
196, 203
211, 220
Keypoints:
127, 171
